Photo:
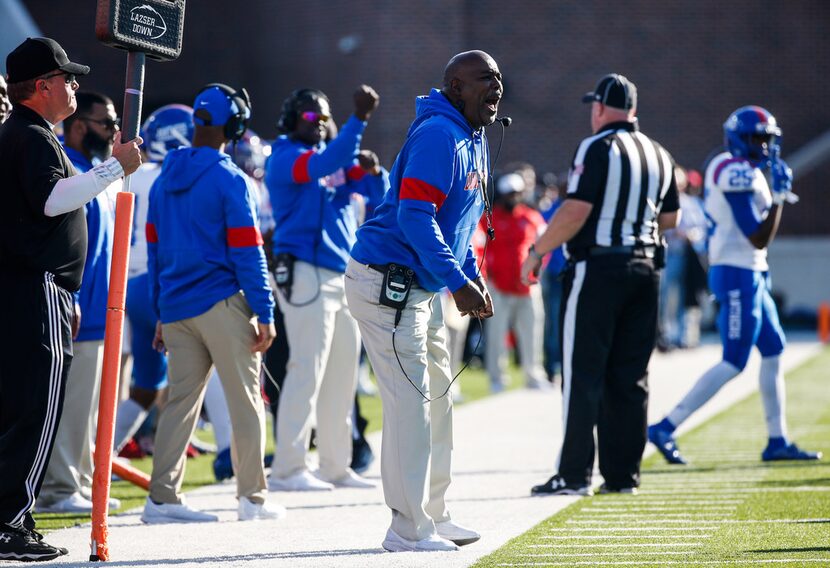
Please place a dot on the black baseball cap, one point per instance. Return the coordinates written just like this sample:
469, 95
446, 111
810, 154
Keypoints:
615, 91
37, 56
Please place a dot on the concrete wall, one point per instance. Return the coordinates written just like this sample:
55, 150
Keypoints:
800, 269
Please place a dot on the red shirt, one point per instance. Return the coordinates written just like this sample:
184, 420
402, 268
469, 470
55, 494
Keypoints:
515, 231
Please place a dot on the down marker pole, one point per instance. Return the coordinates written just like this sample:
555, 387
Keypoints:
145, 28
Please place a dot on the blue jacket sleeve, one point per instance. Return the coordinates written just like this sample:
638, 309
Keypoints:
743, 211
245, 247
471, 264
152, 255
425, 183
302, 166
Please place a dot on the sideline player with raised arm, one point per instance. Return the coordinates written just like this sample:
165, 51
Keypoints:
746, 217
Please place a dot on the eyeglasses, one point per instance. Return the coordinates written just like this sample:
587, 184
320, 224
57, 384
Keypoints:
67, 77
309, 116
107, 123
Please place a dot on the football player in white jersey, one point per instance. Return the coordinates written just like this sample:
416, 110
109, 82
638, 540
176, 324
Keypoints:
745, 214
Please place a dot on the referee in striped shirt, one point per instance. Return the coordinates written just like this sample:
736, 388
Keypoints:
621, 194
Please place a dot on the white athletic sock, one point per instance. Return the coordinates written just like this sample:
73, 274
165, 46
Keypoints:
773, 394
128, 420
705, 388
217, 410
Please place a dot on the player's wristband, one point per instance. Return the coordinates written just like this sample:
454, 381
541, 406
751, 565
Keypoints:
534, 253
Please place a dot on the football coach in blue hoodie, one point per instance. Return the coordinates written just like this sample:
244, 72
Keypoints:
209, 285
417, 243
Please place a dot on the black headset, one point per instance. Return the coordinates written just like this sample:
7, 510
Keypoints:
287, 121
237, 124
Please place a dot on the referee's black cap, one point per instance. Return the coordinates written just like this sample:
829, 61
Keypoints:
38, 56
613, 90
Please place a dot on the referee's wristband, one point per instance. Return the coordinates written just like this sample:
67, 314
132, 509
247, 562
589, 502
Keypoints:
534, 253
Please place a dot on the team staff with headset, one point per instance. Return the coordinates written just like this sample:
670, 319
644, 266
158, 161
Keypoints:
314, 212
418, 243
621, 194
43, 247
209, 286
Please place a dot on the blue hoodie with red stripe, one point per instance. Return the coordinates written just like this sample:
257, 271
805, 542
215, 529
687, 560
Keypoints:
310, 192
203, 242
429, 215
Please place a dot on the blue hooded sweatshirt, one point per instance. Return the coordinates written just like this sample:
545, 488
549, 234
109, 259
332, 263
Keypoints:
203, 243
100, 225
427, 218
314, 217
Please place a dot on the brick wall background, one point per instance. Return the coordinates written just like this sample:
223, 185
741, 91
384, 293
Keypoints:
693, 62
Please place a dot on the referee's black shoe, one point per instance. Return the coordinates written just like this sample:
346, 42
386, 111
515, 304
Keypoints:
606, 489
557, 485
21, 544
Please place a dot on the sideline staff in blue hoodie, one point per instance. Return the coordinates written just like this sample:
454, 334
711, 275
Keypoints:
209, 283
426, 223
315, 230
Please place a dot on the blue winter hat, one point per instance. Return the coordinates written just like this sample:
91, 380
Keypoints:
213, 107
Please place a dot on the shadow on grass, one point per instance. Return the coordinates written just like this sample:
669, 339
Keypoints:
721, 467
819, 482
789, 550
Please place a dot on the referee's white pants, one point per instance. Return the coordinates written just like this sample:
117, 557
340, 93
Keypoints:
70, 466
321, 377
525, 315
417, 435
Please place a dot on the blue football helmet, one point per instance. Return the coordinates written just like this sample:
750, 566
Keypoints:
168, 128
249, 153
751, 132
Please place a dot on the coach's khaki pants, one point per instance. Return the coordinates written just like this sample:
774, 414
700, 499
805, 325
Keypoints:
222, 336
324, 347
417, 435
70, 466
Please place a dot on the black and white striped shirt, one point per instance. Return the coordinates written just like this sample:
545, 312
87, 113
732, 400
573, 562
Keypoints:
629, 179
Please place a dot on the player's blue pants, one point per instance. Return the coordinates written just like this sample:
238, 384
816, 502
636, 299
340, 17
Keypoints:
748, 315
149, 366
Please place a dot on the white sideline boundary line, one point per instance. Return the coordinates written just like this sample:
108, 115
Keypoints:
600, 553
606, 530
684, 562
619, 536
615, 545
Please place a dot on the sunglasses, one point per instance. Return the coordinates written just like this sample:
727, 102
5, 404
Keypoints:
309, 116
67, 77
107, 123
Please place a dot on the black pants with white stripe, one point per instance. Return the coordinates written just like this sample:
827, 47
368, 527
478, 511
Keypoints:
609, 323
35, 354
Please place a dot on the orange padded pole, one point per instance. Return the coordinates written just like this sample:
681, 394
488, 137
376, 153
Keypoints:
824, 322
131, 474
111, 370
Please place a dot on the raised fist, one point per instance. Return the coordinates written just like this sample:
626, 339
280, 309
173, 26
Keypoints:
365, 101
369, 161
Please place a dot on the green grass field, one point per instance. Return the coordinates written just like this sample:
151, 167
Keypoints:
726, 509
474, 385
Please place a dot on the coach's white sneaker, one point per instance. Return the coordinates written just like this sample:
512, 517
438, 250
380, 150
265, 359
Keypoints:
303, 481
351, 479
250, 511
156, 513
75, 503
460, 535
433, 543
